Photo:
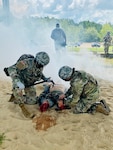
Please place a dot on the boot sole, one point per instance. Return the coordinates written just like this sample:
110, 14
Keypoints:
105, 105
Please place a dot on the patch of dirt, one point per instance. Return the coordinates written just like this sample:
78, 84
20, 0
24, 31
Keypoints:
44, 121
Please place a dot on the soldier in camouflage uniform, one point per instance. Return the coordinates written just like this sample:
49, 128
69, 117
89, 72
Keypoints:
84, 90
107, 42
24, 74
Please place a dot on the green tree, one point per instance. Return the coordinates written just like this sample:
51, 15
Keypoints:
90, 35
88, 24
105, 28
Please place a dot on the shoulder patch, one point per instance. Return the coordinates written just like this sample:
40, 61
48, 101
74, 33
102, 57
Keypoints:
21, 65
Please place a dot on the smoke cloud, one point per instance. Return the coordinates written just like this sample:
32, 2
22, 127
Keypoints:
19, 38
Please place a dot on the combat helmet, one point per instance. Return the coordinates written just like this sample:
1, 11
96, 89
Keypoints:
65, 72
42, 58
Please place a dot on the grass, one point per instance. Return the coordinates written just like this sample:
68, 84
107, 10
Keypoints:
2, 138
108, 61
93, 49
96, 50
100, 49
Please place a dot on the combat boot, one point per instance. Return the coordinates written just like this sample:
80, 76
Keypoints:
12, 99
26, 113
105, 105
102, 107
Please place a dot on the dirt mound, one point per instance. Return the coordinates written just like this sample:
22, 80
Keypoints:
44, 121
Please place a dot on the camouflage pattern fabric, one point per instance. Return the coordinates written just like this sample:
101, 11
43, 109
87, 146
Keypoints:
42, 58
26, 72
25, 56
65, 72
84, 90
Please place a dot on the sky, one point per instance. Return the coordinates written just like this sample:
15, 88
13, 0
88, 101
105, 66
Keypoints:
100, 11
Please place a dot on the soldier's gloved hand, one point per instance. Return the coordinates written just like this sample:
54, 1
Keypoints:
49, 80
20, 85
60, 105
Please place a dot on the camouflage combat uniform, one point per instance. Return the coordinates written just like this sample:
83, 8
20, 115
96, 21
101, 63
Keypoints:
84, 90
107, 43
27, 73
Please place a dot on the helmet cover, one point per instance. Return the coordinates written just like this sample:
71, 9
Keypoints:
65, 72
42, 58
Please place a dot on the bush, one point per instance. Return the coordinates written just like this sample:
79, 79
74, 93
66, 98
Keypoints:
2, 138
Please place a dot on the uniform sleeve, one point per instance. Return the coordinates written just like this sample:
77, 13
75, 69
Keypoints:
52, 35
12, 71
69, 92
43, 77
77, 89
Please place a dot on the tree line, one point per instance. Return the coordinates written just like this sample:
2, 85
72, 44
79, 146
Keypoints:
84, 31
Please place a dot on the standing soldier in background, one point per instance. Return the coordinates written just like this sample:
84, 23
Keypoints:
59, 38
107, 42
24, 73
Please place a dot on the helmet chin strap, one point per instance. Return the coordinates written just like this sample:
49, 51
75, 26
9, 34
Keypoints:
38, 65
72, 73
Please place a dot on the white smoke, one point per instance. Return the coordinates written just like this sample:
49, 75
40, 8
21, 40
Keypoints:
18, 38
83, 60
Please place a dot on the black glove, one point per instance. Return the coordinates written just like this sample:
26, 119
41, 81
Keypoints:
49, 80
46, 79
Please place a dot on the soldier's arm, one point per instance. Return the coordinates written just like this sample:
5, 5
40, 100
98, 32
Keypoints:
77, 90
69, 92
12, 71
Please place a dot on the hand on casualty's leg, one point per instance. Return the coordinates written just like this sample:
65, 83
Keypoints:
61, 105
